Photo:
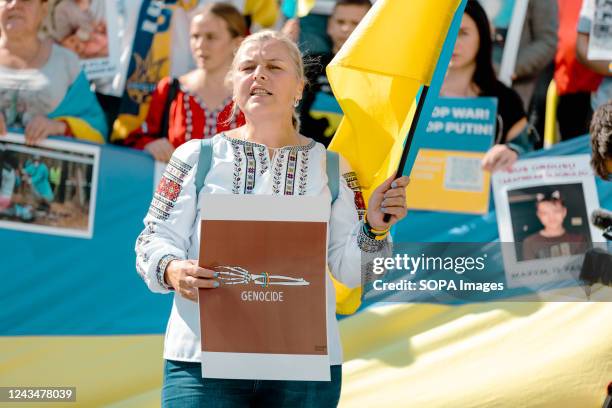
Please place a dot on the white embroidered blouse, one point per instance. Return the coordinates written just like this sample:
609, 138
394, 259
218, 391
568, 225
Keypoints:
242, 167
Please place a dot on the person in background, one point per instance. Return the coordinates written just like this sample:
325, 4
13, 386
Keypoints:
601, 141
574, 81
201, 101
114, 93
38, 177
9, 179
320, 114
471, 74
43, 90
602, 67
536, 48
73, 26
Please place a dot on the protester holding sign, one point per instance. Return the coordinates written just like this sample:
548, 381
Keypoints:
320, 113
265, 156
43, 91
199, 104
471, 74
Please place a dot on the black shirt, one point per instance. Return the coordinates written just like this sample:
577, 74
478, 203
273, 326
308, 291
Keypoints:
509, 109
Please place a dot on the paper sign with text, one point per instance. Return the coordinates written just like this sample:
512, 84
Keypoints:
452, 180
267, 319
543, 206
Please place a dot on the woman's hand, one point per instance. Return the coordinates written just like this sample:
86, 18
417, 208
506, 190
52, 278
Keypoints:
292, 29
499, 157
186, 277
160, 149
388, 198
40, 127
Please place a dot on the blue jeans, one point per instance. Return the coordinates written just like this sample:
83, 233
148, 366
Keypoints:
184, 387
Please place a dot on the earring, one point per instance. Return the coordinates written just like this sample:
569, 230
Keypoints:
296, 102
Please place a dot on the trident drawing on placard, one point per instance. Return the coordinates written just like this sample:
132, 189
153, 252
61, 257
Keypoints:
235, 275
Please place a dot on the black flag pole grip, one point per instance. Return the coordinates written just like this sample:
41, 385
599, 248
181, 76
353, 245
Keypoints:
411, 132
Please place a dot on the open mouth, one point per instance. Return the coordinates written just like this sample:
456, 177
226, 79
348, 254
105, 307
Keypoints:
260, 92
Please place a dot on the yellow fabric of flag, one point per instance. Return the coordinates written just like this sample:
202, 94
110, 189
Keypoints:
304, 7
376, 77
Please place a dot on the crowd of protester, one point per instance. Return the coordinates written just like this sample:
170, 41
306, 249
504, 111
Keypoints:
44, 91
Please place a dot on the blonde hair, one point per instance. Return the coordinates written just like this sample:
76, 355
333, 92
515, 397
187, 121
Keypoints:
294, 54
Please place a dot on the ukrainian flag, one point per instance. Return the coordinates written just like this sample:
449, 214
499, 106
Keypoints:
377, 76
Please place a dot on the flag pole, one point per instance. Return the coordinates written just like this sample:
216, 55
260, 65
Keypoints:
411, 132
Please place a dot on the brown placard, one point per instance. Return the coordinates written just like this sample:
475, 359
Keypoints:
297, 325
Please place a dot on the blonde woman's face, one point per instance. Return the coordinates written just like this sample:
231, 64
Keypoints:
265, 80
212, 45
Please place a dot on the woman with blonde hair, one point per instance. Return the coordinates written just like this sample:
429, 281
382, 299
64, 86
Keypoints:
268, 80
198, 104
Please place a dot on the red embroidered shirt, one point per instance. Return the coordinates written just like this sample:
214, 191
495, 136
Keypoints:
189, 118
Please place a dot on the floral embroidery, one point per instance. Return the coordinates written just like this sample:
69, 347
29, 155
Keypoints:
285, 169
169, 189
177, 169
303, 178
353, 183
211, 117
188, 115
367, 244
237, 168
277, 174
262, 156
251, 168
161, 269
290, 173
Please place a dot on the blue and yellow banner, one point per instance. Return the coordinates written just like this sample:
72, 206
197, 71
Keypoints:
75, 312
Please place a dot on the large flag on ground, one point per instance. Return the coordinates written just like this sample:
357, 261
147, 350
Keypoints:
377, 76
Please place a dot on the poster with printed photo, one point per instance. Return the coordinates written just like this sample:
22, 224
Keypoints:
50, 188
268, 318
600, 38
90, 29
543, 207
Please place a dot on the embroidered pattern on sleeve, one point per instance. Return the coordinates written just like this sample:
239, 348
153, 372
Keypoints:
168, 189
353, 183
161, 269
367, 244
